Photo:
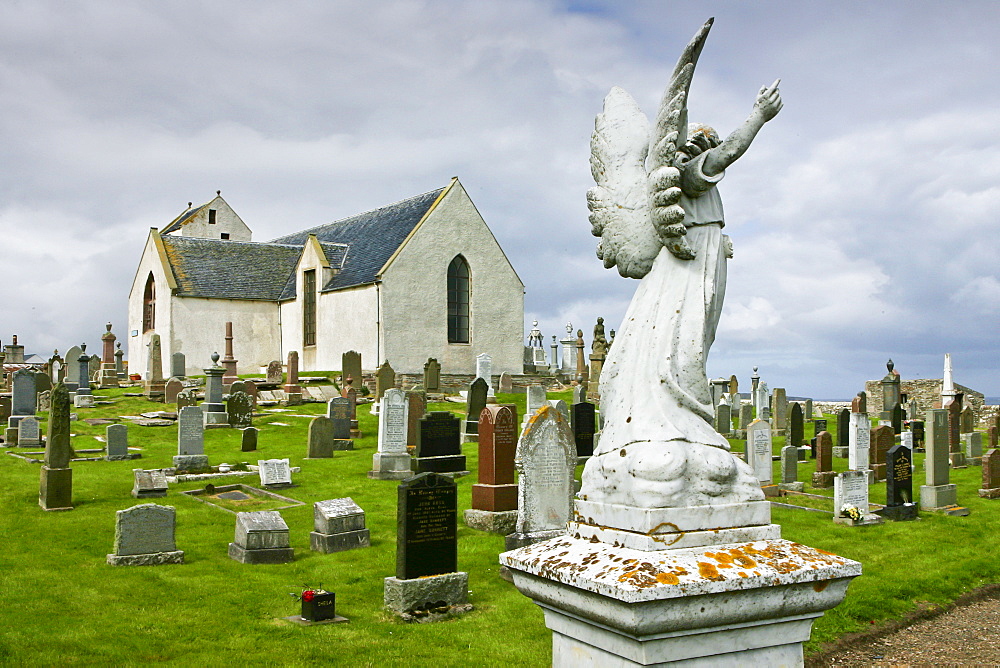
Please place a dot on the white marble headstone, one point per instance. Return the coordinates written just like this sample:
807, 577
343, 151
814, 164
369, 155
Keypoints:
274, 471
851, 488
392, 422
859, 442
759, 450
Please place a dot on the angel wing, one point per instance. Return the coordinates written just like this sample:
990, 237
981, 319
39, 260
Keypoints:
633, 210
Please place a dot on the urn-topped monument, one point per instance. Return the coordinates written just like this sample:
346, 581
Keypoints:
671, 554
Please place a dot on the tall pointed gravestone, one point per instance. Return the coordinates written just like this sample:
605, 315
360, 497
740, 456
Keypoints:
494, 497
427, 578
671, 556
859, 435
155, 383
55, 491
291, 388
939, 494
109, 376
84, 398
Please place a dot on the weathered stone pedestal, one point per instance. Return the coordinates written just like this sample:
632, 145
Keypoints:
339, 524
500, 522
390, 466
704, 585
941, 499
903, 513
404, 596
55, 490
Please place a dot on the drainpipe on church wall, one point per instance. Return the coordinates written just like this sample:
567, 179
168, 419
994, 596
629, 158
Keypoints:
378, 324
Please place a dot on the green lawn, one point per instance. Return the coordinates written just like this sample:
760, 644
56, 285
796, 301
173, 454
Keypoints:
63, 605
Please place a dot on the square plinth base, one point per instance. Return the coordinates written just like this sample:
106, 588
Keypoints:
339, 542
612, 606
152, 559
499, 522
990, 493
938, 496
792, 486
406, 596
55, 489
958, 460
494, 498
273, 555
442, 464
823, 479
904, 513
390, 466
298, 619
190, 462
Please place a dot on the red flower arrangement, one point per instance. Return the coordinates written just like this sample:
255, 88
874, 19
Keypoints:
308, 595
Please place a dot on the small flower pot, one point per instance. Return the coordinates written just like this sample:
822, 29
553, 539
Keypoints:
320, 608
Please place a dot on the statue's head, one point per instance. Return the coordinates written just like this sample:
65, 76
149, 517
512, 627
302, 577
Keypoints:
700, 138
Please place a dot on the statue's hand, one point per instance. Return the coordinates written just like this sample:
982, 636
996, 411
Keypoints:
769, 102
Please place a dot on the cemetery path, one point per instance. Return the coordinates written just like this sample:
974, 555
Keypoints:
961, 634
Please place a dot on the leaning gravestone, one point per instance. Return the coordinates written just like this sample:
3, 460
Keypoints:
149, 484
275, 473
392, 461
339, 525
116, 436
144, 536
261, 538
426, 547
545, 460
320, 438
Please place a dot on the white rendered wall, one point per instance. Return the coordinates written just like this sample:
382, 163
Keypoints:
345, 320
136, 347
414, 295
226, 221
199, 329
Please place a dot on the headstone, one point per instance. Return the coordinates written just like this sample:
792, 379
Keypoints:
758, 450
560, 406
843, 428
116, 436
898, 415
545, 460
850, 492
484, 370
72, 378
350, 367
178, 365
385, 379
190, 440
392, 461
213, 410
779, 409
789, 465
339, 412
439, 444
583, 421
261, 538
957, 456
173, 387
416, 407
859, 439
807, 410
29, 432
42, 382
823, 477
320, 438
494, 497
899, 477
724, 418
185, 398
239, 409
881, 439
991, 475
275, 373
746, 415
55, 490
149, 484
506, 383
274, 473
23, 400
796, 425
939, 493
338, 525
248, 441
155, 382
476, 402
967, 421
432, 376
973, 442
992, 434
427, 530
44, 403
144, 536
291, 388
919, 438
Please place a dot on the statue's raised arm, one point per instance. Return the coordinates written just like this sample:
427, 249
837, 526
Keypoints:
658, 212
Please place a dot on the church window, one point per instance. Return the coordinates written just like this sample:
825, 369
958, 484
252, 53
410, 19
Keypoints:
211, 216
309, 307
224, 236
149, 305
458, 300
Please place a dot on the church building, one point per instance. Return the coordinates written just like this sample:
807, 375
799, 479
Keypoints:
420, 278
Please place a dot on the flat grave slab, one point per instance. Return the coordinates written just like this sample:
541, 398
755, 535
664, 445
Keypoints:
242, 498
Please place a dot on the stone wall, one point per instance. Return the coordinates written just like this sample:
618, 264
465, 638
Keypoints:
927, 392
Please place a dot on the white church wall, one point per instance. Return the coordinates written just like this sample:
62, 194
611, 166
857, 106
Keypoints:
415, 299
136, 345
199, 329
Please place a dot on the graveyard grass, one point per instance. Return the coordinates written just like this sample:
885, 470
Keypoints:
63, 605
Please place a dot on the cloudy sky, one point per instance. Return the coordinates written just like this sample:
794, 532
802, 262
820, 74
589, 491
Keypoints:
864, 217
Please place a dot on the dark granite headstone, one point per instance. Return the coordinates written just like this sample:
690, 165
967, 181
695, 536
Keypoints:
917, 427
796, 425
583, 421
475, 405
339, 412
239, 409
954, 426
819, 424
899, 476
249, 440
426, 524
843, 428
439, 444
898, 415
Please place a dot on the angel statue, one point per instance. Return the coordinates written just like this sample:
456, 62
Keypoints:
659, 215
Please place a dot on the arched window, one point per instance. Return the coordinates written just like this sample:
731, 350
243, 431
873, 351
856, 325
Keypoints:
458, 300
149, 305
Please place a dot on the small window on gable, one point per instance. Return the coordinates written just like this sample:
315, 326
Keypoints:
224, 235
149, 305
458, 300
211, 216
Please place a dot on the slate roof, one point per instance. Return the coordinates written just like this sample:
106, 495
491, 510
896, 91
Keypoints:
177, 222
359, 246
372, 238
219, 269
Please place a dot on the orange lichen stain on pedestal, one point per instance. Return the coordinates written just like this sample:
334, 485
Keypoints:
820, 586
733, 556
708, 571
667, 578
